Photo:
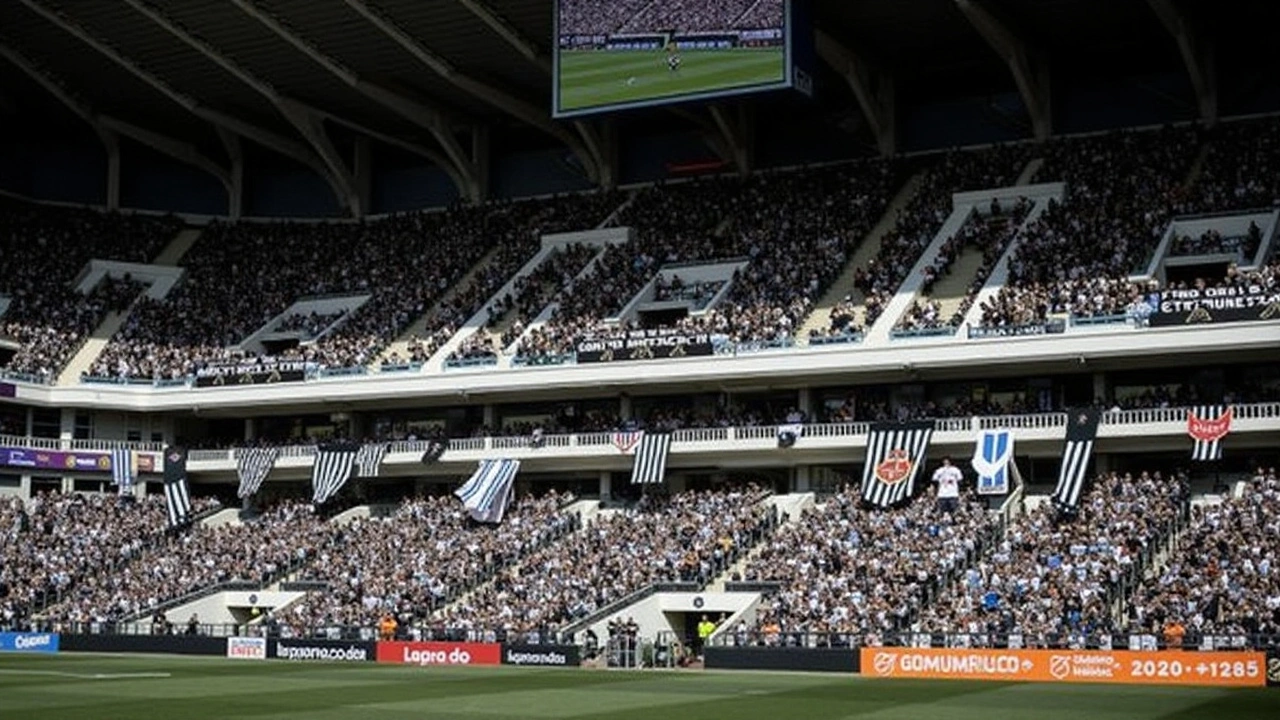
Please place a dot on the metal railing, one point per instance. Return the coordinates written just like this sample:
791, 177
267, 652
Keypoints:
1031, 421
925, 332
1123, 640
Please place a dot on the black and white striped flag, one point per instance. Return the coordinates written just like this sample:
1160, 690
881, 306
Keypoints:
1082, 429
123, 470
488, 493
1207, 425
333, 467
650, 464
895, 452
253, 465
369, 459
176, 497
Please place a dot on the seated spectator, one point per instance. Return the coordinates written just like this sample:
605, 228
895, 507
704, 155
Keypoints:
58, 544
691, 536
849, 570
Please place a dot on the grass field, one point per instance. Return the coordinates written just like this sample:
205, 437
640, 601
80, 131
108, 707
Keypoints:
69, 687
594, 78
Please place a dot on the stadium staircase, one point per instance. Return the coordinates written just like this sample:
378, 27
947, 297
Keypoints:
1197, 165
550, 310
911, 284
101, 335
1029, 172
869, 247
1000, 273
790, 508
178, 247
92, 348
421, 328
588, 512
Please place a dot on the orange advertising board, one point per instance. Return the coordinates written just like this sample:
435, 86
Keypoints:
1237, 669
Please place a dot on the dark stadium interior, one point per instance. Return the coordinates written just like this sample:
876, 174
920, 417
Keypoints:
1110, 65
316, 303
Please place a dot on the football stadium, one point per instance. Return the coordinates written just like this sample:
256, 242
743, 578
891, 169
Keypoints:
875, 359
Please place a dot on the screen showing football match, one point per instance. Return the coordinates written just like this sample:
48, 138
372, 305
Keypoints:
614, 54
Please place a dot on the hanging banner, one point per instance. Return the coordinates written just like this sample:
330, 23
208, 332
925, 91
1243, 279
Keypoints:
1216, 305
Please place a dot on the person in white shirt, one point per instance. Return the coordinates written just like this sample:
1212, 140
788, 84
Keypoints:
948, 479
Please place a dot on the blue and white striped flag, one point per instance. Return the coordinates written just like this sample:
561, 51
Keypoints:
991, 457
123, 470
489, 491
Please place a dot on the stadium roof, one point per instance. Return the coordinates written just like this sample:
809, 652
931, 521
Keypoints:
191, 78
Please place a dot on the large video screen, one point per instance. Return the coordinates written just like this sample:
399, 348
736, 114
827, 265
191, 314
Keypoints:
615, 54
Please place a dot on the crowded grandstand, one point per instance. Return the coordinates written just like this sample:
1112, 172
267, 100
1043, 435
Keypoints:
993, 389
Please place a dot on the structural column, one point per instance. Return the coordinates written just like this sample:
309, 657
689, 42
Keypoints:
66, 427
606, 485
1100, 387
802, 482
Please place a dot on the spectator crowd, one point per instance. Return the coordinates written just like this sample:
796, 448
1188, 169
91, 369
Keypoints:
44, 251
259, 550
240, 276
1057, 577
427, 552
55, 546
588, 17
849, 570
690, 536
1223, 576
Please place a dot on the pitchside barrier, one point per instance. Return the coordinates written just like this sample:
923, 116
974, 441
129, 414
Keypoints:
304, 649
1223, 668
29, 642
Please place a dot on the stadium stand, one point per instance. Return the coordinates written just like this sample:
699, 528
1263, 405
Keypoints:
916, 226
243, 275
425, 554
1057, 578
44, 249
59, 545
690, 536
190, 562
796, 229
1122, 189
1220, 577
847, 570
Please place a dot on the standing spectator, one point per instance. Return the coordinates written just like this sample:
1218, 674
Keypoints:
948, 478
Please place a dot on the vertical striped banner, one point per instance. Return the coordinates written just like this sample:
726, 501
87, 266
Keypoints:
895, 452
1082, 429
334, 464
488, 493
650, 465
123, 470
1207, 425
252, 466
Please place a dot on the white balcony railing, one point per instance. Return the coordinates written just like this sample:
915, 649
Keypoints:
596, 441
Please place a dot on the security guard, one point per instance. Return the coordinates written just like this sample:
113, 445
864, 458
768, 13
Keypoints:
705, 628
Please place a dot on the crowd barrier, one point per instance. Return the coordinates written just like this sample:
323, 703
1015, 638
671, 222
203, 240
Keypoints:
29, 642
1222, 668
402, 652
782, 658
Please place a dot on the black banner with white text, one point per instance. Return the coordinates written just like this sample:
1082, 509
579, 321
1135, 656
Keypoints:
1216, 305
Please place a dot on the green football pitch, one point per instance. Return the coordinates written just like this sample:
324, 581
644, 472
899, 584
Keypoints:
69, 687
595, 78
